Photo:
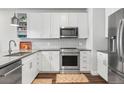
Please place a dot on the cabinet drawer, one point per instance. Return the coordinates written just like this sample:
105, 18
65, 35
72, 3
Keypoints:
84, 57
84, 69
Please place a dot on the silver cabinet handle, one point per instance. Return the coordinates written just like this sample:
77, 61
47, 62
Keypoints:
9, 72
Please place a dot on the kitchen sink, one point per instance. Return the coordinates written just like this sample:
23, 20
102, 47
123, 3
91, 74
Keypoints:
18, 54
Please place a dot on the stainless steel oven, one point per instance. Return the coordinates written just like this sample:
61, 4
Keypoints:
70, 59
12, 73
69, 32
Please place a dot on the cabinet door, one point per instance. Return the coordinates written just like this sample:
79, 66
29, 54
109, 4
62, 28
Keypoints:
63, 19
34, 25
38, 25
46, 65
84, 61
34, 66
45, 23
83, 25
27, 70
99, 62
55, 25
105, 67
26, 73
102, 65
73, 19
55, 65
39, 60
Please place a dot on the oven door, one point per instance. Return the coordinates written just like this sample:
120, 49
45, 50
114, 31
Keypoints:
70, 62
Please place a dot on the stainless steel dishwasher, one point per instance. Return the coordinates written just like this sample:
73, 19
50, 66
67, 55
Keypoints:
12, 73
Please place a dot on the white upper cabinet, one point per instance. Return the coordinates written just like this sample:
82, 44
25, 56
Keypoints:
38, 25
63, 19
33, 25
55, 25
47, 25
108, 12
83, 25
73, 19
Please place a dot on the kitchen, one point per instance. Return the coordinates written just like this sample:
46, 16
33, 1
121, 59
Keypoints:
61, 46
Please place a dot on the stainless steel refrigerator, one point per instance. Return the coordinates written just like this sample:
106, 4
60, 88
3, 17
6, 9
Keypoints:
116, 47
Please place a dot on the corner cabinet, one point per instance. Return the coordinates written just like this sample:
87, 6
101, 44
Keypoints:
108, 12
47, 25
50, 61
85, 57
102, 65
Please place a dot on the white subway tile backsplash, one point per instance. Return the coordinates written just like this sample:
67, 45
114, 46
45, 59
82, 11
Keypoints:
58, 43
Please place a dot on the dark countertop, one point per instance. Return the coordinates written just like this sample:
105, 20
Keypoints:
85, 49
59, 50
49, 49
11, 59
6, 60
104, 51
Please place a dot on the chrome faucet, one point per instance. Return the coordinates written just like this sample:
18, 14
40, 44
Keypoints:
10, 50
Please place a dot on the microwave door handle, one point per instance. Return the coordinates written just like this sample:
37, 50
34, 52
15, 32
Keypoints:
118, 37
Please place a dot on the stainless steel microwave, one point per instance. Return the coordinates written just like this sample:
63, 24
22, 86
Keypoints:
69, 32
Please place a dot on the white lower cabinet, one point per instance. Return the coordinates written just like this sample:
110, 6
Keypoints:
45, 64
102, 65
50, 61
45, 61
26, 70
85, 61
55, 64
29, 69
39, 61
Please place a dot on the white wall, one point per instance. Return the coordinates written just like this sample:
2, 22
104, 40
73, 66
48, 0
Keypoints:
98, 40
7, 32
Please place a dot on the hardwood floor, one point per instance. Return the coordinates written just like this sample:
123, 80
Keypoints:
92, 79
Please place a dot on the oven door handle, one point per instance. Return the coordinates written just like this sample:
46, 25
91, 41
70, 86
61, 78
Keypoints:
9, 72
70, 54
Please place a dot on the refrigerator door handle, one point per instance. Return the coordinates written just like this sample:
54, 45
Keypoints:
118, 38
121, 37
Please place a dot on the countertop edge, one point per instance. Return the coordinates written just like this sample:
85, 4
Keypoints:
103, 51
21, 57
